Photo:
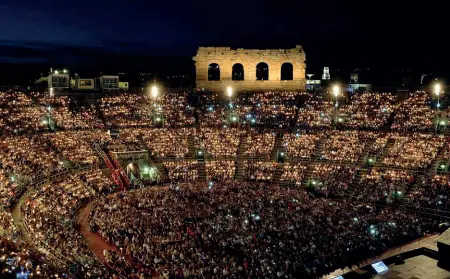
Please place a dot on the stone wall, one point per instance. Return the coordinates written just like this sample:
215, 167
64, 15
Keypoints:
226, 57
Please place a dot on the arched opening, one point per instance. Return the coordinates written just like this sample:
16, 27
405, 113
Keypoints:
287, 71
237, 72
213, 71
262, 71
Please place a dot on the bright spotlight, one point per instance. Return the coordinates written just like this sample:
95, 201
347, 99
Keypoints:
229, 91
336, 90
65, 71
154, 91
437, 89
56, 72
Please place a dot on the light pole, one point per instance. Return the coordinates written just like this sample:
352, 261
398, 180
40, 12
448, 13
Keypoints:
437, 92
229, 93
336, 91
154, 93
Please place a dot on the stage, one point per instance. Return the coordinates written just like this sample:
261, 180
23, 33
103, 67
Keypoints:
420, 259
443, 245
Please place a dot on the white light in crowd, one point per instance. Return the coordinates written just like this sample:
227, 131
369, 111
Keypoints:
442, 122
158, 119
438, 105
65, 71
253, 120
437, 89
282, 154
399, 192
336, 90
442, 166
56, 72
44, 122
229, 91
154, 91
355, 219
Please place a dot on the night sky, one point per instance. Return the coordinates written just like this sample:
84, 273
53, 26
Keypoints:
382, 33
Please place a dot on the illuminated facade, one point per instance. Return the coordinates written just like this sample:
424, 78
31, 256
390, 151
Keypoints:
250, 69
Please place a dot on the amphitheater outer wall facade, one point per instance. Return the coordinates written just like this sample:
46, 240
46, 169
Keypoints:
226, 58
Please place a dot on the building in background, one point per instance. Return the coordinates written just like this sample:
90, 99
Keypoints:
60, 82
326, 73
108, 83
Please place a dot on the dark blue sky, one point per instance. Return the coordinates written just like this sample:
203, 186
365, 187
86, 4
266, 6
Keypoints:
391, 32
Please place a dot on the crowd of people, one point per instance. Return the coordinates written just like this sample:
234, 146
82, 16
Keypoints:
222, 227
317, 112
220, 170
368, 110
239, 230
342, 146
415, 151
220, 142
48, 213
300, 145
331, 180
184, 170
293, 173
385, 185
259, 145
415, 113
432, 192
259, 170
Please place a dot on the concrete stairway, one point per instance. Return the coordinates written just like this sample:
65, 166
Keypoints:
363, 157
277, 145
353, 187
318, 150
433, 167
308, 174
242, 147
162, 172
278, 173
201, 170
191, 146
239, 174
388, 146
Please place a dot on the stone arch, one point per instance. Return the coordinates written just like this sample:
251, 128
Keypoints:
262, 71
213, 72
287, 71
237, 72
